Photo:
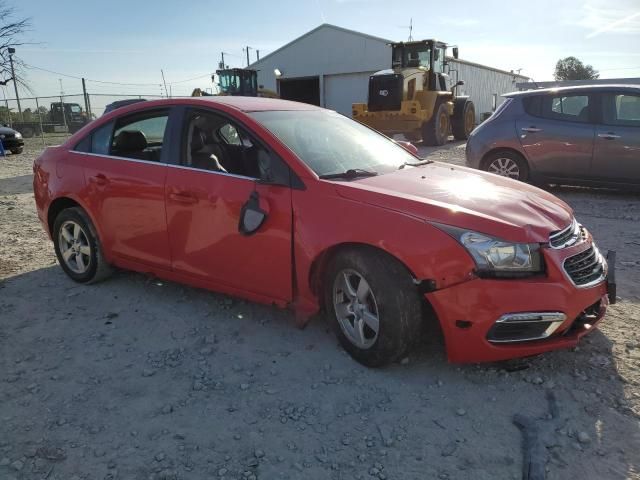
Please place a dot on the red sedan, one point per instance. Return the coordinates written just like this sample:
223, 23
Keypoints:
288, 204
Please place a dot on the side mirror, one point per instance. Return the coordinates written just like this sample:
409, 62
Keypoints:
251, 216
455, 52
459, 83
409, 147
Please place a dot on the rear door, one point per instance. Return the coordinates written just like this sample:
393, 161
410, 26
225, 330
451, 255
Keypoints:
125, 171
617, 145
220, 167
557, 134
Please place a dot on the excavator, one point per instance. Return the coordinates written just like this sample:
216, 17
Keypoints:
414, 97
237, 82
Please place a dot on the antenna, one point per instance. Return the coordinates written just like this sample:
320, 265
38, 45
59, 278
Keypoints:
410, 27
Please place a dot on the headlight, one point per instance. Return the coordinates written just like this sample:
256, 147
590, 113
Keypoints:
498, 258
18, 135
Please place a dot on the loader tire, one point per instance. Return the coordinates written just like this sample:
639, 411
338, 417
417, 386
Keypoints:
435, 132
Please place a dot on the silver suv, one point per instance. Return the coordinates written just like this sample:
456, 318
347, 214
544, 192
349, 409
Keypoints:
587, 135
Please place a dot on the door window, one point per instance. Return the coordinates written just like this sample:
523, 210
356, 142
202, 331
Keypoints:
140, 136
568, 108
622, 110
214, 143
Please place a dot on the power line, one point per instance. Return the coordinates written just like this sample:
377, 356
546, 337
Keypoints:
190, 79
88, 79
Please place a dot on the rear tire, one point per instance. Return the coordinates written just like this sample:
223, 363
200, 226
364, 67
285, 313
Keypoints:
388, 294
464, 120
435, 132
78, 248
507, 163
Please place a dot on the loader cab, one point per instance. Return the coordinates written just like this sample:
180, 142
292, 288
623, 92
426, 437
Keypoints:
238, 82
427, 55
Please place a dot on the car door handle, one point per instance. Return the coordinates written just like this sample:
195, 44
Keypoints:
531, 129
183, 197
99, 179
608, 136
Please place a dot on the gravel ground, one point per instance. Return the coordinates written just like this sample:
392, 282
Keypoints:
140, 379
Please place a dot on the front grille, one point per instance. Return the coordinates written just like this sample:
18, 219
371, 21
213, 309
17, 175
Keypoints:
566, 237
385, 92
586, 268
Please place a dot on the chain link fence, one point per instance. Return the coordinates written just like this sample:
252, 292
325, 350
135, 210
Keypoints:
54, 118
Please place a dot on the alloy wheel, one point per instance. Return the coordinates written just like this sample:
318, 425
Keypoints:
506, 167
75, 248
356, 308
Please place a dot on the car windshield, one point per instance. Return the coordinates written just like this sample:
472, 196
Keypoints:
330, 143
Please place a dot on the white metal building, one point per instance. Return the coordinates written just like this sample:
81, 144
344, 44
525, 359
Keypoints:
330, 66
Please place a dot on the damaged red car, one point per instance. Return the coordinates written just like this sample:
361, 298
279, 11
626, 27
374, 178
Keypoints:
289, 204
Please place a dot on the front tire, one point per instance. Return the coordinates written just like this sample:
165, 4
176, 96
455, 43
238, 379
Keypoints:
78, 248
435, 132
507, 163
373, 305
16, 151
463, 121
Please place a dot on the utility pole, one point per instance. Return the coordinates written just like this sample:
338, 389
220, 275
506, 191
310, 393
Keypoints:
222, 65
165, 83
86, 99
247, 50
15, 83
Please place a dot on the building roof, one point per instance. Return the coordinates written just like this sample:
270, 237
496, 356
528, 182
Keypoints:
319, 27
379, 39
486, 67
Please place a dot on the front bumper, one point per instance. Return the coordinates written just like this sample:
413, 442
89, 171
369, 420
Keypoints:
468, 313
12, 143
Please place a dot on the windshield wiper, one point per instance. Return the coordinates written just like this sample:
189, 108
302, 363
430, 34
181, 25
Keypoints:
415, 164
349, 174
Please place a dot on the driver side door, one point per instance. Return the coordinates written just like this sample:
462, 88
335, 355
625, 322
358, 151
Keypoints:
204, 201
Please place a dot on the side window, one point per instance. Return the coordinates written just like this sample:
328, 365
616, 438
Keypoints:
140, 136
571, 108
622, 110
101, 139
215, 144
97, 141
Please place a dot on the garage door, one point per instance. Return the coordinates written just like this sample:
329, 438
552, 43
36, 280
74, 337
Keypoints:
341, 91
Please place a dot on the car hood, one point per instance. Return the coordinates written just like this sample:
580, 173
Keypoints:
466, 198
6, 130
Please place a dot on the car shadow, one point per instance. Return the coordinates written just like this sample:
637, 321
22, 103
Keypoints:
154, 356
16, 185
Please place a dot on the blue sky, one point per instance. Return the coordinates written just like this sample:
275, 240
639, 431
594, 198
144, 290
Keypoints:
130, 41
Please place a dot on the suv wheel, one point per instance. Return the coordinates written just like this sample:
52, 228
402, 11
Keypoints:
507, 164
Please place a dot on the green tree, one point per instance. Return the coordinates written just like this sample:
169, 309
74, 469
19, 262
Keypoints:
571, 68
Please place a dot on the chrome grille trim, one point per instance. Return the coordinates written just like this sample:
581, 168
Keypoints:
587, 268
567, 236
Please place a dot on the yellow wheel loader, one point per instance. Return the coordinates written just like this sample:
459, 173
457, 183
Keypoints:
238, 82
414, 97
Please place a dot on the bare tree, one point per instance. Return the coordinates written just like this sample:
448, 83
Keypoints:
12, 30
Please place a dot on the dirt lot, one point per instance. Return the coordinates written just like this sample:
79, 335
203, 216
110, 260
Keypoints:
140, 379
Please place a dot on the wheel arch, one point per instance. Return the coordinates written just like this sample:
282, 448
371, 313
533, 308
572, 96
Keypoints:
493, 151
62, 203
318, 268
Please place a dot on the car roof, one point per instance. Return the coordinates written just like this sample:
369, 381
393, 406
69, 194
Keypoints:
244, 104
577, 88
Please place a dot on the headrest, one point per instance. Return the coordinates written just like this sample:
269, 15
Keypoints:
130, 141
